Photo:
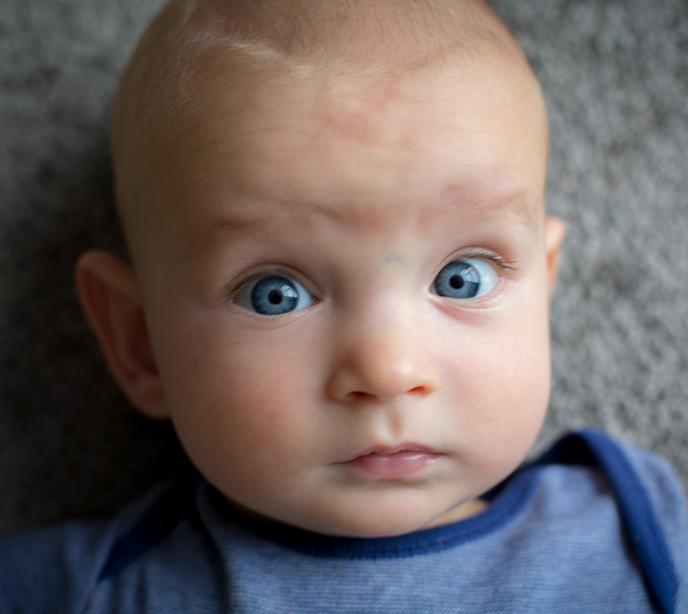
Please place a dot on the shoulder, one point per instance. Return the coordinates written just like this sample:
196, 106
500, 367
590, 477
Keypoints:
53, 569
50, 568
645, 487
668, 506
617, 484
662, 485
639, 480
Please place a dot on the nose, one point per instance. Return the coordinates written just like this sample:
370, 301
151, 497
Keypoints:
382, 358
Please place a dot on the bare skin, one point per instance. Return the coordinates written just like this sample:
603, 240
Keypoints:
376, 404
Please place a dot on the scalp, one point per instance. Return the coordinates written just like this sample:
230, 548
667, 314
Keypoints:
195, 43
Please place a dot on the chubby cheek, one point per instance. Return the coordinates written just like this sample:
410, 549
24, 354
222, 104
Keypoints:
502, 384
241, 410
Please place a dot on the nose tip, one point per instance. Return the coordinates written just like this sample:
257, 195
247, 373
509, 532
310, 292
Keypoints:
382, 369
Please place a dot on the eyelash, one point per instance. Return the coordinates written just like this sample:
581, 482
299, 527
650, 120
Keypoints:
498, 261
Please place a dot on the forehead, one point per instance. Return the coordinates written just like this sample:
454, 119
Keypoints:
468, 141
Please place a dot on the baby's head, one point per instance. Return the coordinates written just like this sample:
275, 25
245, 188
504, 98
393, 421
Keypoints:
341, 265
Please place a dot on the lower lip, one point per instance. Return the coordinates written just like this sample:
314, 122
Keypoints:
395, 465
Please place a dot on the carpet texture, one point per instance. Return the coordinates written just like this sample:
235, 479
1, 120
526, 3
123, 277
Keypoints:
615, 74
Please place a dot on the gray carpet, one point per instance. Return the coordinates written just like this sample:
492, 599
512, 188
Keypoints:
615, 74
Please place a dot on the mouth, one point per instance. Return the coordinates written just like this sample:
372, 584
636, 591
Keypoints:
393, 463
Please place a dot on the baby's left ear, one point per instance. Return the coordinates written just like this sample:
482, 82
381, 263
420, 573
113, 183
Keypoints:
555, 231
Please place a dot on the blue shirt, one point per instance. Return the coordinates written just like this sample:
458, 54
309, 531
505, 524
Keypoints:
593, 526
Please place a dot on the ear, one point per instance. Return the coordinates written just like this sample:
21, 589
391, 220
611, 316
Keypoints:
555, 231
112, 302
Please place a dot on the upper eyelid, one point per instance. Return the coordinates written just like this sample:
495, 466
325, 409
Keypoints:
500, 262
245, 281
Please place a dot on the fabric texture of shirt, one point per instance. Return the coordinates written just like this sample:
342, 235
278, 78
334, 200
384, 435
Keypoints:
591, 526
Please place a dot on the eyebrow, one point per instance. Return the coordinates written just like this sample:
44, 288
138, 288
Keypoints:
215, 230
210, 233
514, 206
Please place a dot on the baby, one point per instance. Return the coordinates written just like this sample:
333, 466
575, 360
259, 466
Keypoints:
338, 294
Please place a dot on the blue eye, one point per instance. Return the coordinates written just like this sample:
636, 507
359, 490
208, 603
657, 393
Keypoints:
465, 278
274, 295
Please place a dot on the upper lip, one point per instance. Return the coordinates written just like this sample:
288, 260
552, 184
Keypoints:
405, 447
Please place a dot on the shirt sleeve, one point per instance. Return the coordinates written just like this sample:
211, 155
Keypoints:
54, 570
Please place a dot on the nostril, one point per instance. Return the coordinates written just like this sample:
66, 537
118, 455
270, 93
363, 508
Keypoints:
356, 394
381, 378
359, 395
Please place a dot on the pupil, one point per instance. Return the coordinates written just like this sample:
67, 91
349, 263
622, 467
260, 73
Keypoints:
456, 282
275, 297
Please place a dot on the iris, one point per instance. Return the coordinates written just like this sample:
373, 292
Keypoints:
465, 278
276, 295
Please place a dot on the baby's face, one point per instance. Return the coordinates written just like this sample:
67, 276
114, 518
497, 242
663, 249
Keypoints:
348, 296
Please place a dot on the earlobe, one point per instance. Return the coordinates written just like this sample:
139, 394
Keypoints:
555, 232
112, 302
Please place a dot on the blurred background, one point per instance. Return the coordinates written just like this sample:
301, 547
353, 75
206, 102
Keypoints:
615, 75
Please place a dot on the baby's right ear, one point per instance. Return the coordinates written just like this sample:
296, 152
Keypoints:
112, 302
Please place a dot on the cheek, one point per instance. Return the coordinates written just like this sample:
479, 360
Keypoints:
241, 405
501, 382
